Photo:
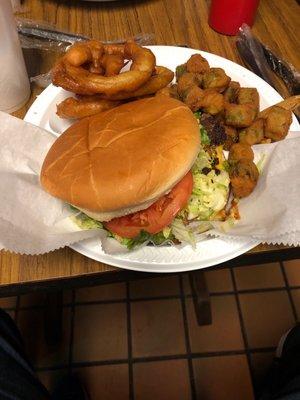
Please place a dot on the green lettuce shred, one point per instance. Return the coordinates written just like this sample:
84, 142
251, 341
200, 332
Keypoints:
209, 195
205, 140
144, 237
183, 232
197, 115
84, 221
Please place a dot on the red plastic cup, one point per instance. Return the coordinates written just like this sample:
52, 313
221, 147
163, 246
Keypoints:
226, 16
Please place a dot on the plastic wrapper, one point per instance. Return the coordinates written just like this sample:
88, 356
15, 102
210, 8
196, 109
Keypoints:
43, 36
261, 60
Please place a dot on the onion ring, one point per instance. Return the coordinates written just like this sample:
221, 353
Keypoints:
70, 75
84, 106
161, 79
112, 64
81, 53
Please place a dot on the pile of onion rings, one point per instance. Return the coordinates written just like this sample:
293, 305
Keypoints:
92, 70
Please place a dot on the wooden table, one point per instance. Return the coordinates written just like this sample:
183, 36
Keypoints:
173, 22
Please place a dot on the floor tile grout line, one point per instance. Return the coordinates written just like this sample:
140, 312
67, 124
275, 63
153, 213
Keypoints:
81, 364
187, 339
249, 291
289, 291
136, 360
71, 344
186, 356
243, 328
263, 349
168, 297
129, 341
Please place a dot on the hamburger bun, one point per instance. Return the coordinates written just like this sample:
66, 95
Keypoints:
122, 160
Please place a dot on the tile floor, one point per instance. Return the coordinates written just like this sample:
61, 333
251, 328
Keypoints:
140, 340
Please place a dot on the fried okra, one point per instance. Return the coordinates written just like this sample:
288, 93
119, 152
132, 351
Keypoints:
169, 91
231, 137
243, 177
239, 115
216, 79
212, 102
249, 96
254, 134
277, 123
230, 94
192, 98
180, 70
197, 64
163, 92
187, 80
173, 91
240, 151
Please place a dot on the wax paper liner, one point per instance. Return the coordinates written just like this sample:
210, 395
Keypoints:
31, 221
286, 239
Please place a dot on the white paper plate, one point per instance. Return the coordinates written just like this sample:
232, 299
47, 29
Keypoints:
161, 259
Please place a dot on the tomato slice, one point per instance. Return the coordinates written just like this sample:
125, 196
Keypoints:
158, 215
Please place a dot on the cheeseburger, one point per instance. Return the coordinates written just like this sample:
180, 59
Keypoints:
138, 171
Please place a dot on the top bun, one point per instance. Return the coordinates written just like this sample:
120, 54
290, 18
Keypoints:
122, 160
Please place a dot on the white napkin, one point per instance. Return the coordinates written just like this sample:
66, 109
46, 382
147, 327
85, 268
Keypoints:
33, 222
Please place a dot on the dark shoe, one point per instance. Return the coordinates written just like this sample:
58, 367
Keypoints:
70, 388
289, 344
283, 378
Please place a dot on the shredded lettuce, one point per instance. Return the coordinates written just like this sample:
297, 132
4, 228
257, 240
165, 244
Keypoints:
202, 161
83, 221
205, 140
209, 195
203, 226
159, 238
197, 115
183, 232
210, 191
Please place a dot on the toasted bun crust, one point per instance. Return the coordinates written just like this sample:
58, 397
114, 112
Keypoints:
122, 160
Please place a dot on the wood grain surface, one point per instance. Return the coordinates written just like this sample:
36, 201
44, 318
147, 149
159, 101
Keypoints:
171, 22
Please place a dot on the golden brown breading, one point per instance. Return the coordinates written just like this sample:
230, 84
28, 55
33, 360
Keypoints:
187, 80
254, 134
193, 98
232, 137
243, 177
197, 64
211, 102
230, 94
239, 151
249, 96
239, 115
277, 123
216, 79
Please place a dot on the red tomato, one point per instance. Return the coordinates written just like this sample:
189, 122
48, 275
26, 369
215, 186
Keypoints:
158, 215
